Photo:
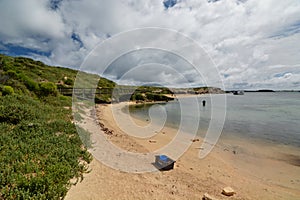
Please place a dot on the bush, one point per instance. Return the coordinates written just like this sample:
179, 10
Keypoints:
7, 65
13, 111
29, 83
137, 97
157, 97
7, 90
48, 88
40, 150
11, 73
69, 82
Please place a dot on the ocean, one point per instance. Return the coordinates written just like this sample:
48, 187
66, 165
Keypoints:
271, 117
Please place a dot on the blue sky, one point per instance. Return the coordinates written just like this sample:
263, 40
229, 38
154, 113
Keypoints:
255, 44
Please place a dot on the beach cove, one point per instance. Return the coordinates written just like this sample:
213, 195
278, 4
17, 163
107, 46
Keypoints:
253, 168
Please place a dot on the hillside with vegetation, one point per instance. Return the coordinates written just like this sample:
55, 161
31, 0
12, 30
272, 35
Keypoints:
40, 150
35, 79
141, 94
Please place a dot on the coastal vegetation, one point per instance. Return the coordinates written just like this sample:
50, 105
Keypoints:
40, 150
142, 94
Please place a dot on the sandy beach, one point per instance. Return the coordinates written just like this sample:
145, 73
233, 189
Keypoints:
244, 166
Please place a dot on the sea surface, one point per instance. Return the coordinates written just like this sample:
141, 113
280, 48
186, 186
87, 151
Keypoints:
269, 117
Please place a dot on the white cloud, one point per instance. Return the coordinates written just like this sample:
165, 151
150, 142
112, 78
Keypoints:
244, 39
23, 20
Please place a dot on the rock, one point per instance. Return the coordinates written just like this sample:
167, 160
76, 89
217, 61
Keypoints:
228, 191
30, 125
208, 197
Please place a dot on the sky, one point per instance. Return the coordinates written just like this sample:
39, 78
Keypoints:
254, 44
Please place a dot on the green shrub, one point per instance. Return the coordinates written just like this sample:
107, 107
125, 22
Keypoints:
103, 98
7, 90
40, 150
21, 76
137, 97
15, 109
69, 82
11, 73
48, 88
29, 83
63, 98
7, 65
157, 97
32, 85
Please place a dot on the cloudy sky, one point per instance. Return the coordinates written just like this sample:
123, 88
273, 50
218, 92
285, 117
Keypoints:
254, 44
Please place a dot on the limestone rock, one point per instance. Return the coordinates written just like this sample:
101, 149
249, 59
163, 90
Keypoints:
228, 191
208, 197
30, 125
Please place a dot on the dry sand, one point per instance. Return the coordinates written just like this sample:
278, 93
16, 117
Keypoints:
242, 166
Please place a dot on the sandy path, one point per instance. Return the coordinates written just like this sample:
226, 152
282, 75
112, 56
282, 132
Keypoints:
191, 177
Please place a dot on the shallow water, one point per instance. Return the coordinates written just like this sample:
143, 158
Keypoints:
269, 117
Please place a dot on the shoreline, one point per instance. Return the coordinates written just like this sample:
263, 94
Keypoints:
257, 150
191, 177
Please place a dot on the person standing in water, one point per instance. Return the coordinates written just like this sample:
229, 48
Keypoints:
203, 103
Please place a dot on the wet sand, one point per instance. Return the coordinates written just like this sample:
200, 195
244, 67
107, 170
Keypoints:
253, 170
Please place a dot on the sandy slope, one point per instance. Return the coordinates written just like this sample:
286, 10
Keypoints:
191, 177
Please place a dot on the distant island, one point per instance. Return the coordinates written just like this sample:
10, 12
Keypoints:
262, 90
265, 90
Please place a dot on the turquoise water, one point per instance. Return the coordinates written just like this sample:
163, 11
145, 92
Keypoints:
270, 117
